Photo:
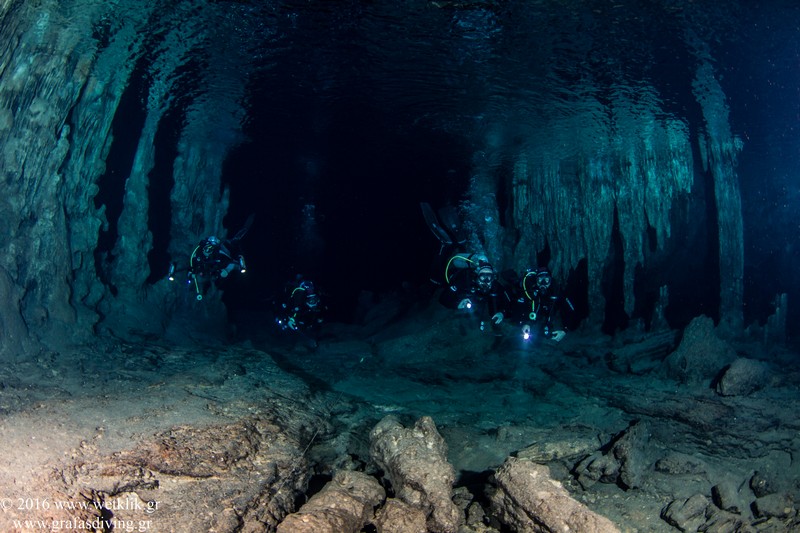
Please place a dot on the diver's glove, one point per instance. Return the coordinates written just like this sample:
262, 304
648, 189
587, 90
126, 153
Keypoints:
558, 334
497, 318
466, 303
292, 324
526, 332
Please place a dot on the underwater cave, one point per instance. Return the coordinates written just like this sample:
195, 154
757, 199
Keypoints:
624, 175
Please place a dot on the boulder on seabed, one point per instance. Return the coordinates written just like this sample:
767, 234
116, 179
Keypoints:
700, 355
396, 516
345, 504
743, 377
622, 461
688, 514
414, 460
528, 500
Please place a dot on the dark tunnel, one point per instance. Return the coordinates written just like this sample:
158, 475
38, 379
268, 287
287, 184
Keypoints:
340, 205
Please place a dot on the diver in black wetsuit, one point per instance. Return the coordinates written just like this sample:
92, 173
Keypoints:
472, 286
302, 309
535, 304
214, 259
471, 283
211, 260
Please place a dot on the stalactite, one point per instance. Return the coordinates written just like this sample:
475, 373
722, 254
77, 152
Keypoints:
635, 163
161, 57
91, 138
482, 214
180, 41
719, 149
546, 211
655, 170
64, 72
528, 220
520, 200
130, 268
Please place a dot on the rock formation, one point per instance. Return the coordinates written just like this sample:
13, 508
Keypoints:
701, 353
622, 461
396, 516
528, 500
414, 461
247, 471
742, 377
77, 237
345, 505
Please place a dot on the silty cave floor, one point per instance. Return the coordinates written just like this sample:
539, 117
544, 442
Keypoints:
490, 396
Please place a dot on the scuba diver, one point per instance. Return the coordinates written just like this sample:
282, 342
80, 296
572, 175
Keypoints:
471, 283
214, 259
302, 309
448, 233
472, 286
536, 303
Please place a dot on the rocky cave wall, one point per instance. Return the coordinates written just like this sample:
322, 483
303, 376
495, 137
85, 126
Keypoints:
64, 67
50, 103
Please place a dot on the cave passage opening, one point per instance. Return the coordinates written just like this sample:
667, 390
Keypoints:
336, 199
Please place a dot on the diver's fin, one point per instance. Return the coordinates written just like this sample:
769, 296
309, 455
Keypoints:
242, 232
433, 223
452, 224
